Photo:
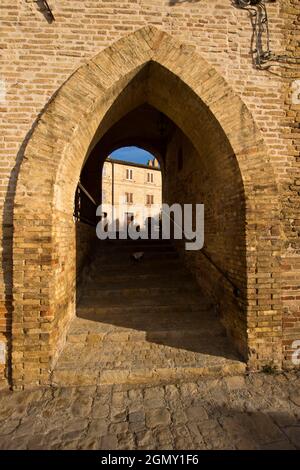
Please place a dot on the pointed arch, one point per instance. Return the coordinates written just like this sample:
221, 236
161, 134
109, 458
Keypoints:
44, 280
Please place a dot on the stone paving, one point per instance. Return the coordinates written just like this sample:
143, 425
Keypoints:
258, 411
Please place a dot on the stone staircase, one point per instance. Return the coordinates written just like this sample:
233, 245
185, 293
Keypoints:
140, 322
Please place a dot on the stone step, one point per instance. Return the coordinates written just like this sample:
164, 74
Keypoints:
172, 323
119, 243
132, 247
118, 280
109, 332
203, 307
178, 289
161, 375
163, 350
140, 297
128, 248
155, 313
144, 266
144, 271
120, 259
138, 271
131, 324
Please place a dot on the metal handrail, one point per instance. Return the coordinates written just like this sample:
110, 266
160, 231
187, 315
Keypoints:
236, 290
82, 211
80, 185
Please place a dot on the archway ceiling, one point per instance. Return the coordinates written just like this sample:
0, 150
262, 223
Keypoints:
140, 127
133, 118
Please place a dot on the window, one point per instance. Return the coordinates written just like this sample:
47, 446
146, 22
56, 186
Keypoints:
149, 199
129, 198
129, 174
104, 172
150, 178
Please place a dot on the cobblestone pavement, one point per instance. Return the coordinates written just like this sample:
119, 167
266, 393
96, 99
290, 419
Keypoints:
254, 412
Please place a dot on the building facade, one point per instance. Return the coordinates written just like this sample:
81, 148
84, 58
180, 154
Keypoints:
135, 191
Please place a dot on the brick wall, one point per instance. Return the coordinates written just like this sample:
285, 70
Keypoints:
224, 205
38, 57
289, 173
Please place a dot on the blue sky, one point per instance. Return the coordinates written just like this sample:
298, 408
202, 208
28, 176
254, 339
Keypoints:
132, 154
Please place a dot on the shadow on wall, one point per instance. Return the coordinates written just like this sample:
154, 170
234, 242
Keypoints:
85, 247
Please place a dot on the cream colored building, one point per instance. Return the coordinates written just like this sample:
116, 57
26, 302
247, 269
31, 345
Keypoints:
134, 190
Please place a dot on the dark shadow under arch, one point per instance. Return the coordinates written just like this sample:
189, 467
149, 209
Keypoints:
135, 121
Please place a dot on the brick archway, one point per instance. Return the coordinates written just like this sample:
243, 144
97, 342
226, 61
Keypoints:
44, 269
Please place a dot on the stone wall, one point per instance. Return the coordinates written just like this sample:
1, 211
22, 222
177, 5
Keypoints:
38, 57
85, 244
289, 174
190, 182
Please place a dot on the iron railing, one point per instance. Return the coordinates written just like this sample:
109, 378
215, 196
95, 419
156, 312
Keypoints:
84, 206
236, 290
